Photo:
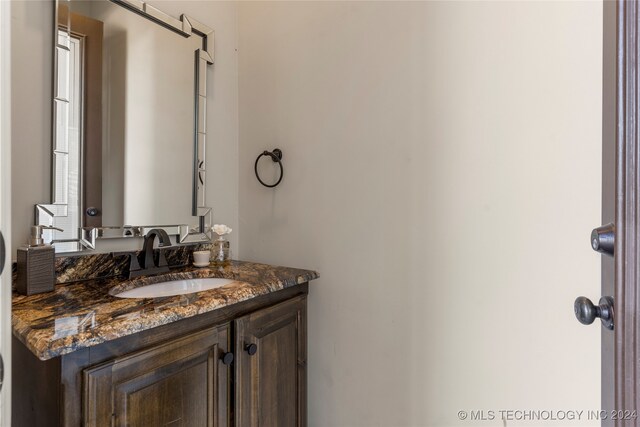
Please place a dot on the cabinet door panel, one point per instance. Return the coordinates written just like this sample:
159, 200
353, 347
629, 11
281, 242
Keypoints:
271, 384
177, 391
179, 383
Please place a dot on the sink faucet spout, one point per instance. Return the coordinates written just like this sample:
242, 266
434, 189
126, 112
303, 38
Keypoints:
147, 260
146, 263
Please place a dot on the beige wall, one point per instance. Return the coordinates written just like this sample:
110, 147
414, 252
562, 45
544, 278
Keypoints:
31, 107
440, 162
31, 56
442, 173
5, 209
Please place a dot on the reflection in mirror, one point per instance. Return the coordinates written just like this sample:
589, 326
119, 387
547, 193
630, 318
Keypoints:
129, 134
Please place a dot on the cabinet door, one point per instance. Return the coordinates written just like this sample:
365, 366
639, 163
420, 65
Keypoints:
179, 383
271, 355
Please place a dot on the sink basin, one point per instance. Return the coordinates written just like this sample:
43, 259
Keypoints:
176, 287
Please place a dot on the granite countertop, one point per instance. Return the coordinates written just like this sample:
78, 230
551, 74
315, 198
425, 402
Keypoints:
84, 314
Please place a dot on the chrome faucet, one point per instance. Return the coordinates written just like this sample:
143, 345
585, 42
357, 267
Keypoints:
145, 263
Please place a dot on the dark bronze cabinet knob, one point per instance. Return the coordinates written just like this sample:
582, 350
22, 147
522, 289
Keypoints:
251, 349
227, 358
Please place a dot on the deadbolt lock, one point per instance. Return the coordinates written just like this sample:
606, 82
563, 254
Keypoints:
603, 238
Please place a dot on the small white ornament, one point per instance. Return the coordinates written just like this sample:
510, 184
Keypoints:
221, 229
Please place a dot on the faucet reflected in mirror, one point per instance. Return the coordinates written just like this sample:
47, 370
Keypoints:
146, 263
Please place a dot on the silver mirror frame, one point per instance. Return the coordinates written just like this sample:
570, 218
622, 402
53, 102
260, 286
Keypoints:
46, 214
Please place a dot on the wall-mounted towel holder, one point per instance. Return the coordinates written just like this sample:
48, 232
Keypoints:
276, 157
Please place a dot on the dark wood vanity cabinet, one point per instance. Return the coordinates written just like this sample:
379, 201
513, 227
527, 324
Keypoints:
177, 374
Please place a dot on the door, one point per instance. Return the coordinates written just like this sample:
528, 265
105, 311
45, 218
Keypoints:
271, 353
5, 217
626, 365
620, 372
181, 383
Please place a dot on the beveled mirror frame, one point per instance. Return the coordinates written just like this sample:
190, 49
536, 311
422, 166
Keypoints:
46, 214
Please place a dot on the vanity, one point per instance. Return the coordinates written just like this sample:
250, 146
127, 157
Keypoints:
131, 338
230, 356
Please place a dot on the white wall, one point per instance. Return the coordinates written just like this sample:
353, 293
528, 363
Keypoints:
32, 48
442, 173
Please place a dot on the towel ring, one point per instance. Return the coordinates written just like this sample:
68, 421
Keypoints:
276, 157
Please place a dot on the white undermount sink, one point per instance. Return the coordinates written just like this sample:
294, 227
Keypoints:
175, 287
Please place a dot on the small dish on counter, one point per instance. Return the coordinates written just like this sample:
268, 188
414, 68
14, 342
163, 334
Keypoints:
201, 258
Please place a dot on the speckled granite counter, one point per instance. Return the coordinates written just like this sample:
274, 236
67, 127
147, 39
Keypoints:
85, 314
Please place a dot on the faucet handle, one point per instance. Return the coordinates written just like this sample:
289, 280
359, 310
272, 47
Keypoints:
162, 260
134, 264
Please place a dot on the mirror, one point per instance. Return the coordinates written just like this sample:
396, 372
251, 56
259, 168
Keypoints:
129, 124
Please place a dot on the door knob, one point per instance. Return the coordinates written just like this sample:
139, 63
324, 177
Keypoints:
602, 239
586, 312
